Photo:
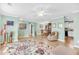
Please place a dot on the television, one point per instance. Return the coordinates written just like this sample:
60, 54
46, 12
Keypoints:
10, 23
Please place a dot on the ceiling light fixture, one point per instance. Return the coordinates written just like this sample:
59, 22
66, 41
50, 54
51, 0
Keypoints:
10, 4
41, 13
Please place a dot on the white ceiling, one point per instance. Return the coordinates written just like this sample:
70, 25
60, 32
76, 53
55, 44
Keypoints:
38, 11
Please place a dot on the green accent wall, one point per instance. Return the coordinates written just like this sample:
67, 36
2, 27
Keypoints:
76, 29
57, 28
15, 27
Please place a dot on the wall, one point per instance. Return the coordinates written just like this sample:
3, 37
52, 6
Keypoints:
1, 26
76, 29
14, 29
36, 28
56, 22
57, 28
75, 26
27, 31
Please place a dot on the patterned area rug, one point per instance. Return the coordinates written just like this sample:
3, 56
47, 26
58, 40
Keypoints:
32, 47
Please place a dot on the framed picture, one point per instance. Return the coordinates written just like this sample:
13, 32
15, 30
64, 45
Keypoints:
54, 25
60, 25
22, 26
